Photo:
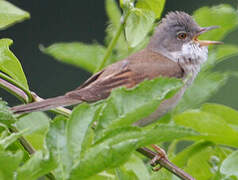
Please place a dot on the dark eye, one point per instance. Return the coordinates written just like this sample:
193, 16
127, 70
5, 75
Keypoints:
182, 35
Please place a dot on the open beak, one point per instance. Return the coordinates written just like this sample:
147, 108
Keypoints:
206, 42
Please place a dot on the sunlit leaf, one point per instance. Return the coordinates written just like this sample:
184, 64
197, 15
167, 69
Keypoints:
103, 156
56, 141
138, 24
6, 116
9, 162
78, 126
8, 140
137, 166
229, 165
9, 64
210, 126
140, 102
10, 14
38, 165
113, 12
36, 125
78, 54
222, 52
156, 6
228, 114
198, 160
222, 15
204, 86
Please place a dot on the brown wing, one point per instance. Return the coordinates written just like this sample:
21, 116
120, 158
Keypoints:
142, 65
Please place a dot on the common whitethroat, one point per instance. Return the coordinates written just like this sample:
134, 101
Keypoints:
173, 51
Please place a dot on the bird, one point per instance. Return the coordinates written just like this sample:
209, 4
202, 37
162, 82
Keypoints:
173, 51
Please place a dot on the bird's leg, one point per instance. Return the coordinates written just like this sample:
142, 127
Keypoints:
160, 154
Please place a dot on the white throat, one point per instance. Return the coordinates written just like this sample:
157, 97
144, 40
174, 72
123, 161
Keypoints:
191, 56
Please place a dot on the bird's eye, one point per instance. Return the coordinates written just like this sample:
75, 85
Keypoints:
182, 35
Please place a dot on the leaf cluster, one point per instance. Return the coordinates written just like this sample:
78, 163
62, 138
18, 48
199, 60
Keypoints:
98, 141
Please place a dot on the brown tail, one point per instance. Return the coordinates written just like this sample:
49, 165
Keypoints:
45, 104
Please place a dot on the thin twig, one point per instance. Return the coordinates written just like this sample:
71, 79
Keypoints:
164, 162
58, 110
16, 85
20, 94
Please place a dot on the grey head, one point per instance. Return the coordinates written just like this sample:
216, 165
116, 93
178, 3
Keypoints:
177, 38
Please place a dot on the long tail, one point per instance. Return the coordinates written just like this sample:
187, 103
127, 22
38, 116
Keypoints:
45, 104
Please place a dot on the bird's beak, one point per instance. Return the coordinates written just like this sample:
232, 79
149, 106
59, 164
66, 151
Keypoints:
205, 42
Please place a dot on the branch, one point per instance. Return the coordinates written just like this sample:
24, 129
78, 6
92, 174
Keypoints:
15, 88
164, 162
59, 110
20, 94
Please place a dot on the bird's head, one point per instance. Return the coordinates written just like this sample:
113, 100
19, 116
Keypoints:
177, 36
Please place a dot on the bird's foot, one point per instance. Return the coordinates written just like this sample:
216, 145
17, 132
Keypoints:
160, 154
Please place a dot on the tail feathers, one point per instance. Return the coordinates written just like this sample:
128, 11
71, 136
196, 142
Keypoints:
45, 104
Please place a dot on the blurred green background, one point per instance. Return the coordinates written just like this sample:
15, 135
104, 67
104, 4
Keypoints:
84, 21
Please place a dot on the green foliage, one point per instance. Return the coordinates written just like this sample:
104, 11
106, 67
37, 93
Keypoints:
6, 116
98, 141
211, 126
78, 54
138, 24
149, 94
34, 134
9, 64
10, 14
229, 165
38, 165
156, 6
222, 15
9, 163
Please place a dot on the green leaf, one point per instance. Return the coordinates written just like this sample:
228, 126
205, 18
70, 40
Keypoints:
6, 116
211, 127
126, 4
79, 126
220, 53
147, 136
9, 162
226, 51
138, 25
77, 54
200, 160
156, 6
140, 102
38, 165
36, 124
163, 174
102, 176
10, 14
204, 86
123, 174
102, 156
9, 64
106, 153
165, 132
229, 166
222, 15
182, 158
8, 140
137, 166
228, 114
113, 12
56, 141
